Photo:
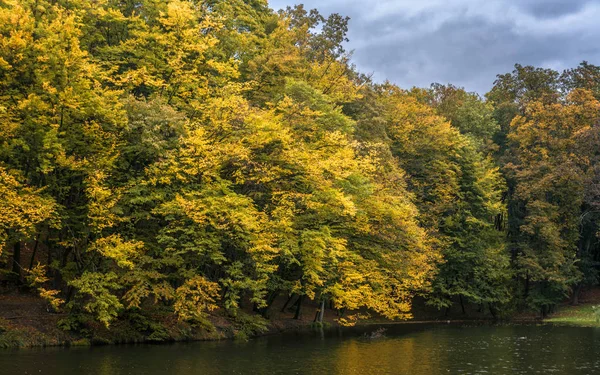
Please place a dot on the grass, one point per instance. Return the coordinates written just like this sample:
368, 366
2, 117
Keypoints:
581, 315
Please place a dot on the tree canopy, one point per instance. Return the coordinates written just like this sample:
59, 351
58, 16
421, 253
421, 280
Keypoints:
201, 156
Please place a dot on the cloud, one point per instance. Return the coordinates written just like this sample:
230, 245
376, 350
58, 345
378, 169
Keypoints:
465, 42
552, 8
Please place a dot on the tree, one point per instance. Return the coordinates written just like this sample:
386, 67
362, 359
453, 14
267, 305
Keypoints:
467, 112
458, 192
553, 146
22, 211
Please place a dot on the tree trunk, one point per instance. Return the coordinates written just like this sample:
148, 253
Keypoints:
16, 265
462, 304
575, 297
35, 247
322, 311
265, 310
319, 312
49, 270
298, 308
287, 302
70, 291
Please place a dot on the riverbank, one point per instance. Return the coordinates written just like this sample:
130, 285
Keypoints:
25, 322
582, 314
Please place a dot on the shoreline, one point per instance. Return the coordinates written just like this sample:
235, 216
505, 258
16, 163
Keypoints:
10, 339
10, 336
25, 323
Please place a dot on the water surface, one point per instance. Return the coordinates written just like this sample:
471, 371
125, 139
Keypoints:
407, 349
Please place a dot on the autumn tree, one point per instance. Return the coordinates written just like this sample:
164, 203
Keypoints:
555, 172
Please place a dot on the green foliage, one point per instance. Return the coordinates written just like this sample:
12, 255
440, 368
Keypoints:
4, 325
596, 310
467, 112
77, 323
247, 326
23, 338
97, 293
154, 331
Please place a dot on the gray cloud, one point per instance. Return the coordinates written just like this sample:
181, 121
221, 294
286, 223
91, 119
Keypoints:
552, 8
464, 42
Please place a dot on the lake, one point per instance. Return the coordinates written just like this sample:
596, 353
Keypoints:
415, 349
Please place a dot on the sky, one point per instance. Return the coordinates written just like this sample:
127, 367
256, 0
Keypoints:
464, 42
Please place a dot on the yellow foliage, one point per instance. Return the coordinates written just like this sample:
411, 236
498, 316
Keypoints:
195, 297
123, 253
21, 208
36, 278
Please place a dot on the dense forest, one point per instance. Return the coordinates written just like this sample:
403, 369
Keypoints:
192, 156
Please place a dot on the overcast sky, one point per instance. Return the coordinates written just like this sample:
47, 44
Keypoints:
464, 42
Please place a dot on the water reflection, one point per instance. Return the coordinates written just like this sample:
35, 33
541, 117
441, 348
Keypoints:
408, 349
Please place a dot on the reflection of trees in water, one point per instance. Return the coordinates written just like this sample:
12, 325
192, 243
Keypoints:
496, 350
405, 351
415, 354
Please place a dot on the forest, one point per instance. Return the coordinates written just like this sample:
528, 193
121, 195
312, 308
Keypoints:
189, 157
